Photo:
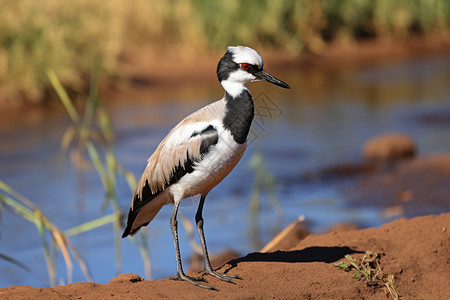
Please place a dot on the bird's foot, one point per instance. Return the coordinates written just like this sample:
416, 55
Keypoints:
193, 280
222, 276
184, 276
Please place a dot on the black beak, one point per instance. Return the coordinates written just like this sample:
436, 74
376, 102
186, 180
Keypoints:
263, 75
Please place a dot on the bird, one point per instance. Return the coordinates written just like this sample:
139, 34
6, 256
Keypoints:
199, 152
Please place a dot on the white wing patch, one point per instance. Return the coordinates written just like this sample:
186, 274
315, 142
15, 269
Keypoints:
183, 134
181, 145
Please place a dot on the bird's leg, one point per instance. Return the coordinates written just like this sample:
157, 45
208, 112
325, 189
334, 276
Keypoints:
208, 268
180, 274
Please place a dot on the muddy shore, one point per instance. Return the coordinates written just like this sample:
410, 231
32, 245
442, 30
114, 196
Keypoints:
414, 251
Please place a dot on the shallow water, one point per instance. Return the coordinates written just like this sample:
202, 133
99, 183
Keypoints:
324, 120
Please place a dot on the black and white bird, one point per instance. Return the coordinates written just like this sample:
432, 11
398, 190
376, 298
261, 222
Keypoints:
201, 151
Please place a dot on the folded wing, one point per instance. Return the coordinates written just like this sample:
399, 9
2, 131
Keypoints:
175, 157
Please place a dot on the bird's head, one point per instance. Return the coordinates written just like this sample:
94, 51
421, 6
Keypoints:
241, 65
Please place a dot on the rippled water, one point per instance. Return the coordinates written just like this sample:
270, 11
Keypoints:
323, 120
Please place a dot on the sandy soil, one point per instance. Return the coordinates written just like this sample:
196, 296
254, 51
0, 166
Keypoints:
415, 251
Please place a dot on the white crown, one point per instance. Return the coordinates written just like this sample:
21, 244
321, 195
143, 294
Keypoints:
243, 54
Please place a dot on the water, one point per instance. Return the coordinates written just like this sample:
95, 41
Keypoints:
323, 120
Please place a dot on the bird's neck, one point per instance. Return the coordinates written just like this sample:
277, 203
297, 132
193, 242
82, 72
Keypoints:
239, 114
234, 88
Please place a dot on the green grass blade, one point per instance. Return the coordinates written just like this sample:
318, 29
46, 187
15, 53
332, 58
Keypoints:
140, 241
111, 164
7, 189
117, 240
18, 208
68, 137
14, 261
30, 212
88, 226
129, 177
51, 269
81, 262
96, 160
189, 227
62, 94
105, 124
61, 241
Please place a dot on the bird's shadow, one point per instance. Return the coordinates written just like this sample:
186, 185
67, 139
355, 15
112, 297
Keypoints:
310, 254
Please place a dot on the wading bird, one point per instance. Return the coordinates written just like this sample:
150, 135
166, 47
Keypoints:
199, 152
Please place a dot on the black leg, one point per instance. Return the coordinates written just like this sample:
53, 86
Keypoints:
208, 268
180, 274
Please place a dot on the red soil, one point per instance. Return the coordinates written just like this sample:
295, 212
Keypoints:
414, 251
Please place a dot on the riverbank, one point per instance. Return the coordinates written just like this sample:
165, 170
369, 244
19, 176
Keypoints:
146, 71
414, 251
154, 71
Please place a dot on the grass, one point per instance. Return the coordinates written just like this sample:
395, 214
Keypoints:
89, 142
71, 38
369, 270
263, 187
58, 239
390, 286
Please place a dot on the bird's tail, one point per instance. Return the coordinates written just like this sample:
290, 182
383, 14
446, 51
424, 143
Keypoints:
143, 215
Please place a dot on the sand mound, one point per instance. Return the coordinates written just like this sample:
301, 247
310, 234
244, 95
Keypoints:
414, 251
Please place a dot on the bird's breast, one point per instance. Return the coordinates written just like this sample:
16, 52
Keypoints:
212, 168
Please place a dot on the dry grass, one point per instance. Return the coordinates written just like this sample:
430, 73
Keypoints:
72, 38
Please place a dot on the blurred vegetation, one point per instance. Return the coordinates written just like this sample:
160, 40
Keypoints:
90, 143
89, 140
71, 37
52, 238
263, 187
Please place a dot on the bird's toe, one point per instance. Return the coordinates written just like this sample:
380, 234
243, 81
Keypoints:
223, 276
194, 281
184, 277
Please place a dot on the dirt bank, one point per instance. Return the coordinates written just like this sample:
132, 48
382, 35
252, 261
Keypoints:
414, 251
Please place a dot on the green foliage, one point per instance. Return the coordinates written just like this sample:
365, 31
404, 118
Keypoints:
68, 37
71, 38
369, 270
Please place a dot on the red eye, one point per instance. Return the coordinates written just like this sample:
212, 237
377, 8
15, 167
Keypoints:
245, 67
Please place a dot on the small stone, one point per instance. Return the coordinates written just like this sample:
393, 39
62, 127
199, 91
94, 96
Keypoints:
389, 147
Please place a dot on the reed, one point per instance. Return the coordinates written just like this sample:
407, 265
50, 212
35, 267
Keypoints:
80, 139
263, 187
91, 136
58, 239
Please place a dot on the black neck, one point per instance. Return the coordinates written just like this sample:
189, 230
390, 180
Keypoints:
239, 115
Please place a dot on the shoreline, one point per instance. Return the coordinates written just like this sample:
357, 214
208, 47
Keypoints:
414, 251
145, 72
